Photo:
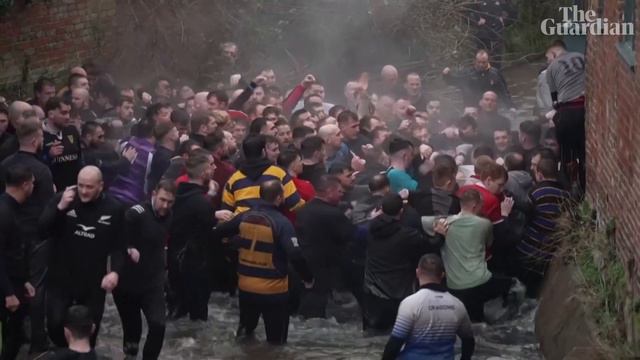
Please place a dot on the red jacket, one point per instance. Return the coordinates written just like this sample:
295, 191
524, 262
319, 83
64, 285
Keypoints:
306, 191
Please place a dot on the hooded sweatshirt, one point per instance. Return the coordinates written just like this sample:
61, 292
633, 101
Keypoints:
242, 191
393, 250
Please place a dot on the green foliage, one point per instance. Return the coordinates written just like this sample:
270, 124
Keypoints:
604, 284
525, 37
5, 5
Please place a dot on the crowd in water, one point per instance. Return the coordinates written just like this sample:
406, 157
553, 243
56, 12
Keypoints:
280, 199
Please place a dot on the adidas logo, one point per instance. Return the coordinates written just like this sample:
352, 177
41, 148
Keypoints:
72, 213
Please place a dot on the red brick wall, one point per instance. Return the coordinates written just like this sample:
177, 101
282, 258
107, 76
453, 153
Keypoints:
613, 135
47, 37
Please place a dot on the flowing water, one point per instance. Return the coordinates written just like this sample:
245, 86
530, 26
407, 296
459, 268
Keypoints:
340, 336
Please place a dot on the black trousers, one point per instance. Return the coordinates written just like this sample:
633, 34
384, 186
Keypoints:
151, 303
59, 299
197, 289
274, 311
474, 298
379, 314
570, 132
13, 335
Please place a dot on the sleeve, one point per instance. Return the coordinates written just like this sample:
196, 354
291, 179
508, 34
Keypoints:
158, 167
552, 84
51, 220
118, 249
228, 199
292, 199
5, 284
392, 349
131, 225
455, 78
238, 103
465, 332
403, 326
543, 95
229, 228
403, 180
290, 102
289, 242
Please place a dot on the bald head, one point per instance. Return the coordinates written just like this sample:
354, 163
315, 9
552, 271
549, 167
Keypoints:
80, 98
489, 101
16, 111
389, 74
328, 130
200, 101
78, 70
89, 184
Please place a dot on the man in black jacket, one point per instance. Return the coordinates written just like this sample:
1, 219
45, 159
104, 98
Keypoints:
97, 153
85, 225
61, 144
192, 245
14, 267
30, 138
167, 140
146, 230
324, 233
393, 251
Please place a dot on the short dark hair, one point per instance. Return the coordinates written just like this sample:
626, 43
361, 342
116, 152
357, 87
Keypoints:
338, 168
271, 110
532, 129
167, 185
79, 321
431, 265
185, 147
162, 129
213, 141
466, 121
471, 196
107, 89
154, 109
443, 172
196, 162
253, 146
89, 128
392, 204
494, 172
483, 149
270, 190
179, 116
257, 125
17, 175
296, 114
198, 119
325, 183
220, 95
335, 109
398, 144
123, 99
301, 132
346, 116
54, 103
39, 85
378, 182
310, 145
514, 161
545, 153
548, 168
287, 157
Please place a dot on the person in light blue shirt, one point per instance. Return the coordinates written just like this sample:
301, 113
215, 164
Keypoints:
401, 156
429, 320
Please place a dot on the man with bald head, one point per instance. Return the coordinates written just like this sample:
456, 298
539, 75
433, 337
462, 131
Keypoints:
200, 101
80, 105
414, 91
388, 81
86, 229
478, 79
489, 120
336, 151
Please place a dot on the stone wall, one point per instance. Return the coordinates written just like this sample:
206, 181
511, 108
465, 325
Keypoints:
48, 37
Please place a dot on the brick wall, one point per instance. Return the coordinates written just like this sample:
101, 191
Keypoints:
48, 37
613, 136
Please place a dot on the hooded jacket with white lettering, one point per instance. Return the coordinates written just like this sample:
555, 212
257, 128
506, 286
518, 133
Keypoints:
84, 236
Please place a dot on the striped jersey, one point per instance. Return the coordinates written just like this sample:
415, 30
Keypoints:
428, 322
547, 198
242, 193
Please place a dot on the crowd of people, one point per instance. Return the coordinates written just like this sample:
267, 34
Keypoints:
165, 194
